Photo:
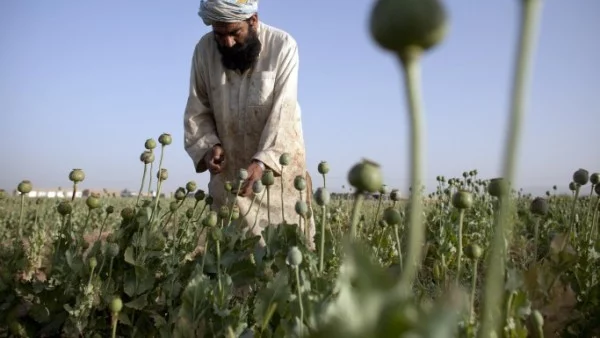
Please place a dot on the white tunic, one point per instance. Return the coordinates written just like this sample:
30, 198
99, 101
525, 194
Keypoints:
254, 115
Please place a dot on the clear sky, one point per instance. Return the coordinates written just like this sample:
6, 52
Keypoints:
84, 83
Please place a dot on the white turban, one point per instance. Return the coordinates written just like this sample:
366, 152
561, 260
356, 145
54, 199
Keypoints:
212, 11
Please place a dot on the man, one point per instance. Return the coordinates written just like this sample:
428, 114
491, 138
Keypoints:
242, 111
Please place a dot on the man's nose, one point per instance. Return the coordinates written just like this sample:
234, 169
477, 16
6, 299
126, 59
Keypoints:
228, 41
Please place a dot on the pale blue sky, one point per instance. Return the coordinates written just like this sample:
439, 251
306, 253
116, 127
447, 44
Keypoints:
84, 83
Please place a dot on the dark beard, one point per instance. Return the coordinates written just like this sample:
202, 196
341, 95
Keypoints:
243, 56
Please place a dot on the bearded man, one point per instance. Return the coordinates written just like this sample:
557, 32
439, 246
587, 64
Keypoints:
242, 112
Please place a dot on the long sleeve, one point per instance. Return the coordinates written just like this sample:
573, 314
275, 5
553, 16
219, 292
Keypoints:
200, 132
282, 127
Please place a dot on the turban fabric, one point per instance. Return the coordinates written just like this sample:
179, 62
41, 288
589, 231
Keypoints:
212, 11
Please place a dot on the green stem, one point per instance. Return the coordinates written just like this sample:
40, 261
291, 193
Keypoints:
297, 271
412, 82
282, 206
322, 251
473, 288
151, 168
536, 235
495, 281
572, 232
21, 212
461, 218
358, 200
74, 191
137, 200
399, 245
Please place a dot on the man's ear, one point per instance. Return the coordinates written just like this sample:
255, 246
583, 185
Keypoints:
253, 20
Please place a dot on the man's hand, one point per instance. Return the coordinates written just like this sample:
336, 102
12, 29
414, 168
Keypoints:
255, 173
215, 159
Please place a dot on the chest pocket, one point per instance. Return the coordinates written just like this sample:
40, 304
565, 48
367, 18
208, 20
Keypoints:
261, 90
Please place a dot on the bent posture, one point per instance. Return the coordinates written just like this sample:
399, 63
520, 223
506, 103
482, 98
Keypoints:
242, 111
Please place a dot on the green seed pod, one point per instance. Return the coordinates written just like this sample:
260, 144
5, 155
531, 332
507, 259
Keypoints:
111, 238
581, 177
462, 199
199, 195
147, 157
538, 318
162, 175
112, 249
93, 262
322, 196
572, 186
257, 187
25, 187
127, 213
235, 212
497, 187
64, 208
209, 200
191, 186
109, 209
116, 305
539, 206
85, 245
595, 178
294, 257
473, 251
383, 190
224, 212
180, 194
165, 139
76, 175
242, 174
228, 186
150, 144
268, 177
383, 223
210, 220
548, 193
395, 195
299, 183
323, 167
465, 174
400, 25
285, 159
392, 216
173, 206
366, 176
93, 201
189, 213
301, 208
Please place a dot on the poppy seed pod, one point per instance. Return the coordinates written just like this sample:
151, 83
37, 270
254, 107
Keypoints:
572, 186
395, 195
323, 167
242, 174
497, 187
539, 206
301, 208
210, 220
322, 196
127, 213
473, 251
150, 144
366, 176
235, 212
165, 139
76, 175
180, 194
224, 212
399, 25
285, 159
173, 206
191, 186
147, 157
64, 208
462, 199
581, 177
116, 305
257, 187
163, 174
189, 213
294, 256
109, 209
268, 177
25, 187
595, 178
392, 216
299, 183
199, 195
93, 201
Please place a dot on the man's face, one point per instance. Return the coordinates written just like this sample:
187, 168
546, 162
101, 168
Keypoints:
238, 43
